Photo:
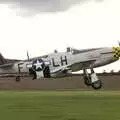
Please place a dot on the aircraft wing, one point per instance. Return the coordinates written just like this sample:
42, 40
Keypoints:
60, 69
81, 65
75, 66
68, 69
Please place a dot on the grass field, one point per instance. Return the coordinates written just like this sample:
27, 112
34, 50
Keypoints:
59, 105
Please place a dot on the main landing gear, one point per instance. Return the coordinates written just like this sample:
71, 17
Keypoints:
92, 79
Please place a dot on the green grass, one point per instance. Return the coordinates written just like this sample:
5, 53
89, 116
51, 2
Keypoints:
59, 105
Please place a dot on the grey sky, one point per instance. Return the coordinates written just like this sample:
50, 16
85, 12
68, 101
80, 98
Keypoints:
32, 7
76, 23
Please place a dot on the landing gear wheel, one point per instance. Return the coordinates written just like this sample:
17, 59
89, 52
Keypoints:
87, 81
97, 85
17, 78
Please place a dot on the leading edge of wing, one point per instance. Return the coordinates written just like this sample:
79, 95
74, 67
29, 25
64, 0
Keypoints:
68, 67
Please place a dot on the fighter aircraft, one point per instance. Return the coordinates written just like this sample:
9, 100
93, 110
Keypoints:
61, 64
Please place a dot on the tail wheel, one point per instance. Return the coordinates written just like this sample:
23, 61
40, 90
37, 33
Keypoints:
17, 78
97, 84
87, 81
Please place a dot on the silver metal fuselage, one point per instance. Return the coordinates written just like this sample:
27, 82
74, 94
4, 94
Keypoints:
76, 60
97, 57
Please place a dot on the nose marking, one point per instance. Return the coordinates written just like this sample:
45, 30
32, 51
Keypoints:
116, 53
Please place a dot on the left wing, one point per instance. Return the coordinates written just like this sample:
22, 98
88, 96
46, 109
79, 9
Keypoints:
68, 69
61, 69
81, 65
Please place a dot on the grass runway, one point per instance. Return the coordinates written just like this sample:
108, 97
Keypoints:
59, 105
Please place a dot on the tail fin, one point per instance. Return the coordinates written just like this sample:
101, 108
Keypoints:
28, 56
2, 59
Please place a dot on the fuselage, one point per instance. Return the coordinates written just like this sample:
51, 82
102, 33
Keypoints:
98, 56
75, 59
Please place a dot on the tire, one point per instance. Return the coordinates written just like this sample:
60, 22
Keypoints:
87, 81
97, 85
17, 78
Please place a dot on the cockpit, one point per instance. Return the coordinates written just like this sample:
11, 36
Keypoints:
76, 51
73, 51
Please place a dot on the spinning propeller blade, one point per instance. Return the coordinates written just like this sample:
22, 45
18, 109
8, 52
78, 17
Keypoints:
119, 43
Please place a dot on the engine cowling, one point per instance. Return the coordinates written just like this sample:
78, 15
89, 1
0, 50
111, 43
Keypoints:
116, 52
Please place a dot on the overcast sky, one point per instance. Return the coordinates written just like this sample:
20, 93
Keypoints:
40, 26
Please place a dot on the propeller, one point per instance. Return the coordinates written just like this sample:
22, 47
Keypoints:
119, 43
116, 51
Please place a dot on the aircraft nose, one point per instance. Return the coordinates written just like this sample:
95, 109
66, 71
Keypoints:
116, 53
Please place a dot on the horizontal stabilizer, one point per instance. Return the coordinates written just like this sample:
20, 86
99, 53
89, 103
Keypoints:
6, 65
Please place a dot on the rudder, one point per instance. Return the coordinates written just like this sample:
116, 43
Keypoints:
2, 59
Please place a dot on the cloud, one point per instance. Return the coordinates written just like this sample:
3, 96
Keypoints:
36, 6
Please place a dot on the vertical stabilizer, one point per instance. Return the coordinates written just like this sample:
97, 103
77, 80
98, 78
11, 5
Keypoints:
2, 59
